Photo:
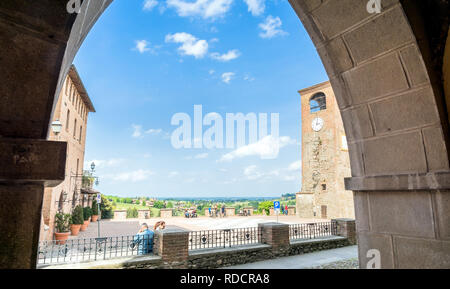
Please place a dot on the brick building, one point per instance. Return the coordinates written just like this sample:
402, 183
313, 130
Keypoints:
325, 159
71, 111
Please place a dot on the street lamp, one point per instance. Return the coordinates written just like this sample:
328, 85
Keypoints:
56, 127
93, 166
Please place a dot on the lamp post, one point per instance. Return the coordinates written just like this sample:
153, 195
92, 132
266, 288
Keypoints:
56, 128
99, 199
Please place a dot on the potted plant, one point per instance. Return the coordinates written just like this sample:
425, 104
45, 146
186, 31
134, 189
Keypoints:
86, 215
94, 217
77, 220
62, 228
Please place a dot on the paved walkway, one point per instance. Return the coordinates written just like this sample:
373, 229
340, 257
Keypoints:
304, 261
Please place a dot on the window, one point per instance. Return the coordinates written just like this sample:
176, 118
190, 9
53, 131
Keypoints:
75, 128
318, 102
81, 133
67, 120
324, 187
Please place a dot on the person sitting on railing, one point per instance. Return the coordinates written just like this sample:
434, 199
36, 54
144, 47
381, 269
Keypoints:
144, 240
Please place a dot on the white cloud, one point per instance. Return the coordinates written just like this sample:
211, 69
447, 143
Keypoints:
266, 148
134, 176
256, 7
150, 4
190, 45
201, 156
207, 9
173, 174
227, 76
230, 55
142, 46
252, 173
211, 72
153, 131
295, 166
248, 78
103, 163
271, 27
198, 156
137, 130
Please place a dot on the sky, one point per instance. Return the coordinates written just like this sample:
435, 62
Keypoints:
145, 61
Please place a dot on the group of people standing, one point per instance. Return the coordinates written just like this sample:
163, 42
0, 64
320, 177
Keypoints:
217, 211
190, 213
143, 240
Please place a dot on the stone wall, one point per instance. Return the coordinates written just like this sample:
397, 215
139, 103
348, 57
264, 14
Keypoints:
166, 213
230, 212
120, 215
144, 214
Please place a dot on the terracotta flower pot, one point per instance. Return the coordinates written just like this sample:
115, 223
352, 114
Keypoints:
94, 218
61, 238
75, 229
84, 226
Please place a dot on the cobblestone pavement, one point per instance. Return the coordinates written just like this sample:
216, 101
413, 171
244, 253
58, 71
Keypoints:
344, 264
112, 228
327, 259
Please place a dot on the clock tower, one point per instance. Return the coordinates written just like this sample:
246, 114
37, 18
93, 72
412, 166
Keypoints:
325, 160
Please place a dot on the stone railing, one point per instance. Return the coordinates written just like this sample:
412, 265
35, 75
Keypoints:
171, 249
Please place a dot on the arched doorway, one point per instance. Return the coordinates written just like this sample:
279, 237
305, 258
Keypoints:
381, 68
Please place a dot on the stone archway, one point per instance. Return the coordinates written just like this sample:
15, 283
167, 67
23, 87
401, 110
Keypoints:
391, 102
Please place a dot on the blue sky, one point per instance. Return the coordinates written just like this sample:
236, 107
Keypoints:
144, 61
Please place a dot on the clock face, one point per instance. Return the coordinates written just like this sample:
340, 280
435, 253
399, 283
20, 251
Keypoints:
317, 124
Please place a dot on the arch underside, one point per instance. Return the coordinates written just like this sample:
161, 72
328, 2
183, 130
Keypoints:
392, 106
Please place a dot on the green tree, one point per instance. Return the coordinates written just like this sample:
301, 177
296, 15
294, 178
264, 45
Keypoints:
94, 207
87, 213
106, 208
266, 205
159, 205
169, 205
132, 212
77, 215
62, 222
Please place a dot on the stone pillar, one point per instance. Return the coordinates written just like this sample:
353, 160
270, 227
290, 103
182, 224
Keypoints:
120, 215
166, 213
275, 235
173, 246
346, 228
26, 167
